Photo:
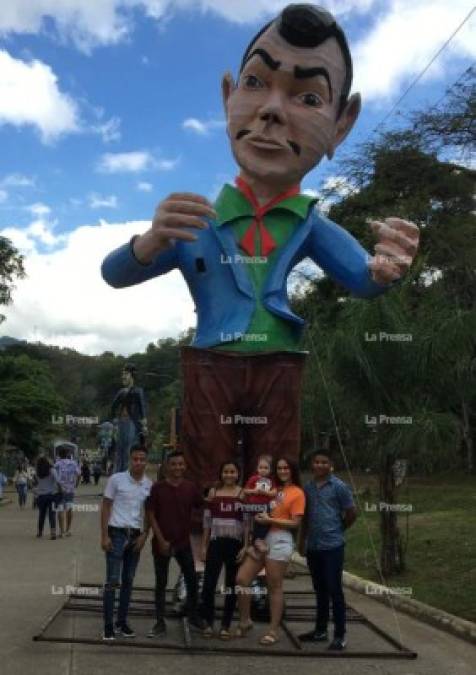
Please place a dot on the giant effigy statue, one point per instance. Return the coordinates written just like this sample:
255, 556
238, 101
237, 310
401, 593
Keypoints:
129, 413
290, 106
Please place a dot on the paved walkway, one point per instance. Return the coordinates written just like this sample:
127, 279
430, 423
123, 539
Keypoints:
32, 573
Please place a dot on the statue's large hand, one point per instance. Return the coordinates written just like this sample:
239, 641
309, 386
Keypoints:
176, 213
396, 248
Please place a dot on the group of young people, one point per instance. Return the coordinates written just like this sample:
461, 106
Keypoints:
245, 529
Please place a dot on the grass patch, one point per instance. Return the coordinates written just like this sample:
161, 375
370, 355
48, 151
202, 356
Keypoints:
441, 545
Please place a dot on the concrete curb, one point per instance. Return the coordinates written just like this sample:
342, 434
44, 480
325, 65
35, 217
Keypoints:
466, 630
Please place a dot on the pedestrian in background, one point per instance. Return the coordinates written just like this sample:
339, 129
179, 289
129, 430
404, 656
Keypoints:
47, 491
20, 479
68, 473
3, 483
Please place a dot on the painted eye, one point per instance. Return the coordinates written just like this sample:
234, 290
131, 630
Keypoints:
252, 82
312, 100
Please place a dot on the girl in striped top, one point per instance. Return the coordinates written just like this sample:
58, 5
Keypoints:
225, 529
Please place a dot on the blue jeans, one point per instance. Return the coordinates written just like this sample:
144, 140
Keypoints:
326, 573
22, 489
46, 505
122, 558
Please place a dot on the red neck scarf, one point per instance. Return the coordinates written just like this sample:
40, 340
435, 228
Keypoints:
268, 244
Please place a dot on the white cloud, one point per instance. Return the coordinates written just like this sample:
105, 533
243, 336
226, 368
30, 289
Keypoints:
3, 196
310, 192
89, 23
144, 187
98, 201
167, 164
332, 188
39, 231
20, 238
125, 162
246, 11
202, 128
404, 39
86, 23
39, 209
338, 185
404, 34
29, 95
110, 130
133, 162
64, 300
17, 180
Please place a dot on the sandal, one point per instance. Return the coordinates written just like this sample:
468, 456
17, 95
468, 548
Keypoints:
241, 631
224, 634
269, 639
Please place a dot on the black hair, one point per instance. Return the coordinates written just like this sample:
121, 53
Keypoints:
320, 453
43, 467
293, 465
130, 368
306, 25
138, 447
63, 451
222, 466
173, 454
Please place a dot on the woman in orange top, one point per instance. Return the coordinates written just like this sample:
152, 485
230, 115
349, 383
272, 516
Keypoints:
283, 520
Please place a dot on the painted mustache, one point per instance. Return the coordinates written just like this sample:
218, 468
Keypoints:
294, 146
241, 133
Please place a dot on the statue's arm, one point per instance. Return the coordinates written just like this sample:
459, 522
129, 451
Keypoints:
343, 258
121, 268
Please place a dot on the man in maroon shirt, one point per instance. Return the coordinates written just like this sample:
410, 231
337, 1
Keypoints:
170, 512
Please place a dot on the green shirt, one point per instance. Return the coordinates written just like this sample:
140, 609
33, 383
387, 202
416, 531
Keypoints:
267, 331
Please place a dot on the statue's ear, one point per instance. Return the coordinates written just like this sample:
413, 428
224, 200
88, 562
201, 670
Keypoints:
346, 121
227, 88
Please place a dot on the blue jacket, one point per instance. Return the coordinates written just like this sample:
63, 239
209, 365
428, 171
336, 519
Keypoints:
219, 283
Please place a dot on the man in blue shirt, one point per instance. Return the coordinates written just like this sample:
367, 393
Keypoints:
329, 511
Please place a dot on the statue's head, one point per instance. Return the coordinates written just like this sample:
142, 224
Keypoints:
291, 104
128, 374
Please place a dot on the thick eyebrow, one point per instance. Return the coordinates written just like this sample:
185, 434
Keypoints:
267, 58
304, 73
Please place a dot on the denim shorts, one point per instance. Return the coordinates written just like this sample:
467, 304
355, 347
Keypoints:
280, 545
65, 501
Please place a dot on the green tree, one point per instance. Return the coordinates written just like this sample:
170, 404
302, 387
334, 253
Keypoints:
28, 401
430, 379
11, 268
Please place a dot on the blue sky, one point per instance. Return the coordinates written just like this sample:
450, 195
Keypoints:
107, 107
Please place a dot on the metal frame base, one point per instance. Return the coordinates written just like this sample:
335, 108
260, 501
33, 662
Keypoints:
295, 612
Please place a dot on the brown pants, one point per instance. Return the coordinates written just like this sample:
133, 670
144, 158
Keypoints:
237, 407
